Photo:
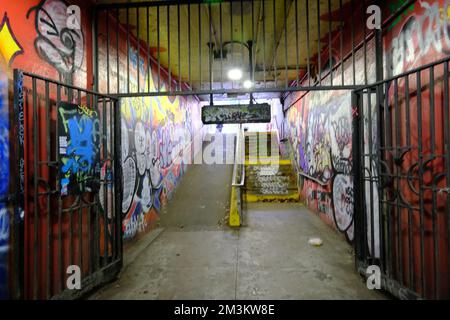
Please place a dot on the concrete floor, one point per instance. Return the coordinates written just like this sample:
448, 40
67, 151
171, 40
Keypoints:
197, 256
268, 259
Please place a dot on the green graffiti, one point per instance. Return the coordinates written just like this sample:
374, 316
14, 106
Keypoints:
395, 7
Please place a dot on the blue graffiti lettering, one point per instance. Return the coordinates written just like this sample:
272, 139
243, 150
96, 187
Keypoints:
81, 148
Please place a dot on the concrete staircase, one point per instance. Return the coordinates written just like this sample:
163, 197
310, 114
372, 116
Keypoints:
268, 178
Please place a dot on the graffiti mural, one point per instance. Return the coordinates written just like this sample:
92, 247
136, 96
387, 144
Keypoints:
155, 132
321, 136
61, 47
343, 201
423, 37
4, 184
9, 46
79, 140
320, 133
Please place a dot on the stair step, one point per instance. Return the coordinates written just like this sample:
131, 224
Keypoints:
293, 197
275, 181
270, 172
268, 178
269, 169
259, 161
271, 192
263, 189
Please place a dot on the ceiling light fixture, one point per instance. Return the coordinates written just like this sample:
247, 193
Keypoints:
248, 84
235, 74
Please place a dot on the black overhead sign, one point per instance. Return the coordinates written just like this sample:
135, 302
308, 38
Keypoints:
236, 114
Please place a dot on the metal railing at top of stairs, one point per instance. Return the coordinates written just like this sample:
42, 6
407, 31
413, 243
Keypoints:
239, 158
236, 192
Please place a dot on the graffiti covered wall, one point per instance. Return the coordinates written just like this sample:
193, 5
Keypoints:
320, 132
418, 37
321, 136
157, 133
4, 184
319, 123
34, 37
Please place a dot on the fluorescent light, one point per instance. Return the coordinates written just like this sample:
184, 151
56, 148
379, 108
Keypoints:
235, 74
248, 84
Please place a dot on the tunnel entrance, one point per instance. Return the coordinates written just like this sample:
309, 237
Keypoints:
366, 133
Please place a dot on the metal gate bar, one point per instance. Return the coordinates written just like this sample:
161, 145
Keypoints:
57, 230
402, 180
281, 46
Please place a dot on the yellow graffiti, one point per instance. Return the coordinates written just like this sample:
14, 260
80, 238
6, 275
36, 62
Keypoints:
82, 109
156, 109
9, 47
443, 17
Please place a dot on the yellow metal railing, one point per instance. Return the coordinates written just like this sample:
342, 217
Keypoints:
238, 181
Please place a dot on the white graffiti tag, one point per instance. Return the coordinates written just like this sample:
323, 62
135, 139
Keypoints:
60, 46
419, 35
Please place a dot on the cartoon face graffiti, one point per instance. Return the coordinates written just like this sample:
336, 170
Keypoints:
145, 193
129, 183
125, 146
148, 149
63, 48
154, 162
139, 143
